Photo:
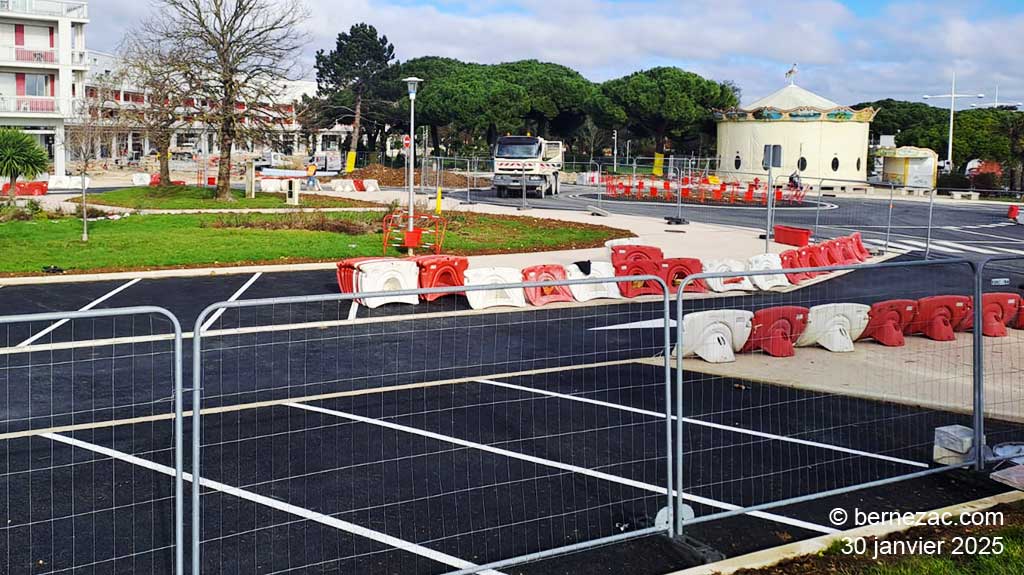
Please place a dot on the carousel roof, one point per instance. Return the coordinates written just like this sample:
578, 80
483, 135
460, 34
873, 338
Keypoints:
792, 97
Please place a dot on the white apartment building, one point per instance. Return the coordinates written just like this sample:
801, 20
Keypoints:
42, 68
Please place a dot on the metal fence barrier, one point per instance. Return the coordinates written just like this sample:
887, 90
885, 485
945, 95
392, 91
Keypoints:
450, 440
90, 432
823, 423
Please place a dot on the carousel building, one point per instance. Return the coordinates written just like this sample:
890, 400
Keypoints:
825, 143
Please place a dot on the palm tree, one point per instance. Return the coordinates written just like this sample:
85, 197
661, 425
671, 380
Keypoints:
20, 155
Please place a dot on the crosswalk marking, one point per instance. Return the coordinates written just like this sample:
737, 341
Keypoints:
892, 245
964, 247
935, 247
1008, 250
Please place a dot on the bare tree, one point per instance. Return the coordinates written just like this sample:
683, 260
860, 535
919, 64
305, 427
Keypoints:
239, 53
157, 69
94, 122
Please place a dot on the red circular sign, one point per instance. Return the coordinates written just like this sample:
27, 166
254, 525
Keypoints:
406, 141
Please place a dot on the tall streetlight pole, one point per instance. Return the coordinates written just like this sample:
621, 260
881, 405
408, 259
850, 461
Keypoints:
997, 104
952, 95
412, 82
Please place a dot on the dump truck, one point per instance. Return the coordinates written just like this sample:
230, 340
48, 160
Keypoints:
529, 159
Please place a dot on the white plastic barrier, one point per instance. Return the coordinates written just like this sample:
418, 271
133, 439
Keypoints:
387, 275
59, 183
513, 297
835, 326
75, 182
610, 244
716, 335
727, 284
587, 292
766, 262
371, 185
271, 185
140, 179
343, 185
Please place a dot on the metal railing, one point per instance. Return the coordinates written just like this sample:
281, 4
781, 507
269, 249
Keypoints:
21, 54
30, 104
60, 8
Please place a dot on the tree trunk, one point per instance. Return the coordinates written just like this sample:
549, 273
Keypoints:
353, 145
435, 140
659, 140
224, 167
163, 152
10, 190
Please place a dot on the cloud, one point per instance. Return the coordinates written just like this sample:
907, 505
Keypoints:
849, 52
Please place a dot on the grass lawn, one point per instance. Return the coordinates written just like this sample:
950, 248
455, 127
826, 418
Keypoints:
196, 198
163, 241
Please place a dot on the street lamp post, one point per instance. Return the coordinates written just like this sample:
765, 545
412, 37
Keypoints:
952, 95
997, 104
412, 82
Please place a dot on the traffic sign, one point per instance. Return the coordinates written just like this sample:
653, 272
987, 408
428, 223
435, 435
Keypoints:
406, 141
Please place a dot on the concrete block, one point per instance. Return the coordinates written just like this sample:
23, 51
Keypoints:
956, 438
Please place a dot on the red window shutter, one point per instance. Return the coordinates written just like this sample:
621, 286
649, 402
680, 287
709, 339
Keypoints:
19, 34
19, 84
51, 36
53, 85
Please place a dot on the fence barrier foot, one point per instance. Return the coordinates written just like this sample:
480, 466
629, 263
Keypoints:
696, 552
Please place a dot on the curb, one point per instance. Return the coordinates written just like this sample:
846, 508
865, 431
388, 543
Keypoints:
166, 273
775, 555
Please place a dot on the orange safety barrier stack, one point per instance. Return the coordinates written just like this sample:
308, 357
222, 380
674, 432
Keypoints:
1013, 212
675, 270
849, 249
637, 288
717, 194
630, 253
791, 260
778, 195
1018, 322
748, 196
858, 245
539, 296
666, 185
997, 311
27, 188
428, 231
887, 321
937, 316
685, 191
836, 254
441, 271
813, 257
776, 329
347, 270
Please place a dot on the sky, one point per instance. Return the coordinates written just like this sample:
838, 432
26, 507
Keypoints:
848, 51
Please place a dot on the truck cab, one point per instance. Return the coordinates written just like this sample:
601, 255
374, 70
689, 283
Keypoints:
526, 164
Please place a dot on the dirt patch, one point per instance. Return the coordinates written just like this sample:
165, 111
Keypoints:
839, 561
313, 222
395, 177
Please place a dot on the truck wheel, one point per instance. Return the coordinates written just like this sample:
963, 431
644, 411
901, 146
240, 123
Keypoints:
555, 185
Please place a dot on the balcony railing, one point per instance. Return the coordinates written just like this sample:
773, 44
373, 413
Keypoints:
59, 8
29, 105
22, 54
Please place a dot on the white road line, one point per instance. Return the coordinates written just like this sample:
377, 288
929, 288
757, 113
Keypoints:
1005, 250
647, 324
276, 504
216, 315
892, 245
563, 466
924, 245
992, 236
963, 247
86, 307
710, 424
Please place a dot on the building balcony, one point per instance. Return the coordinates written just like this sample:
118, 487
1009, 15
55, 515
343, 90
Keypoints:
35, 57
49, 8
30, 105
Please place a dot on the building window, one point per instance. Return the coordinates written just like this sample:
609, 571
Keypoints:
738, 161
835, 164
858, 164
35, 85
801, 164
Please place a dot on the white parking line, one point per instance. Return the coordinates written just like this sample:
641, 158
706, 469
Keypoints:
216, 315
563, 466
710, 424
276, 504
963, 247
936, 247
86, 307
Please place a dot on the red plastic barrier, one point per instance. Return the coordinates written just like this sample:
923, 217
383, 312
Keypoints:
834, 252
813, 257
849, 248
938, 316
346, 273
675, 270
1018, 323
791, 260
888, 319
539, 296
637, 288
27, 188
791, 236
858, 244
1013, 212
776, 329
440, 271
630, 253
359, 186
997, 311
